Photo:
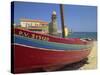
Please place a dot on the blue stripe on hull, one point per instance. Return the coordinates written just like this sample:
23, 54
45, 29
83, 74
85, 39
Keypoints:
46, 44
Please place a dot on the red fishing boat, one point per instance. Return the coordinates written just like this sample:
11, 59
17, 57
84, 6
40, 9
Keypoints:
33, 50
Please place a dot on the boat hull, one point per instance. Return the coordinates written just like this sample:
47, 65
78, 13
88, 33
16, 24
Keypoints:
33, 50
27, 58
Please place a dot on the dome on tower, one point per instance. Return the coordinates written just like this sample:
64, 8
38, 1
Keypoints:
54, 13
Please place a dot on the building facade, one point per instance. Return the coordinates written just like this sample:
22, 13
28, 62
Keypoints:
34, 25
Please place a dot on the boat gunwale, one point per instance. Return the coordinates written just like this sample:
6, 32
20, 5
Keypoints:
89, 42
54, 37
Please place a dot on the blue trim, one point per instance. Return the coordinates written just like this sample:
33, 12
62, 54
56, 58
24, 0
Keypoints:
46, 44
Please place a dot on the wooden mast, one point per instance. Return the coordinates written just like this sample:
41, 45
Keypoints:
62, 20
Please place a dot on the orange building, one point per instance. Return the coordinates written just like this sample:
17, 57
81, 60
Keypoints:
34, 25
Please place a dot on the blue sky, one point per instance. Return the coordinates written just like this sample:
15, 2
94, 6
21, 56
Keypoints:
77, 18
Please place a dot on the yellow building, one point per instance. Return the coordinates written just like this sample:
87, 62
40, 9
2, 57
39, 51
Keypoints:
34, 25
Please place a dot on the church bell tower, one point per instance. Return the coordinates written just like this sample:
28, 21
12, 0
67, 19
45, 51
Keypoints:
53, 24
